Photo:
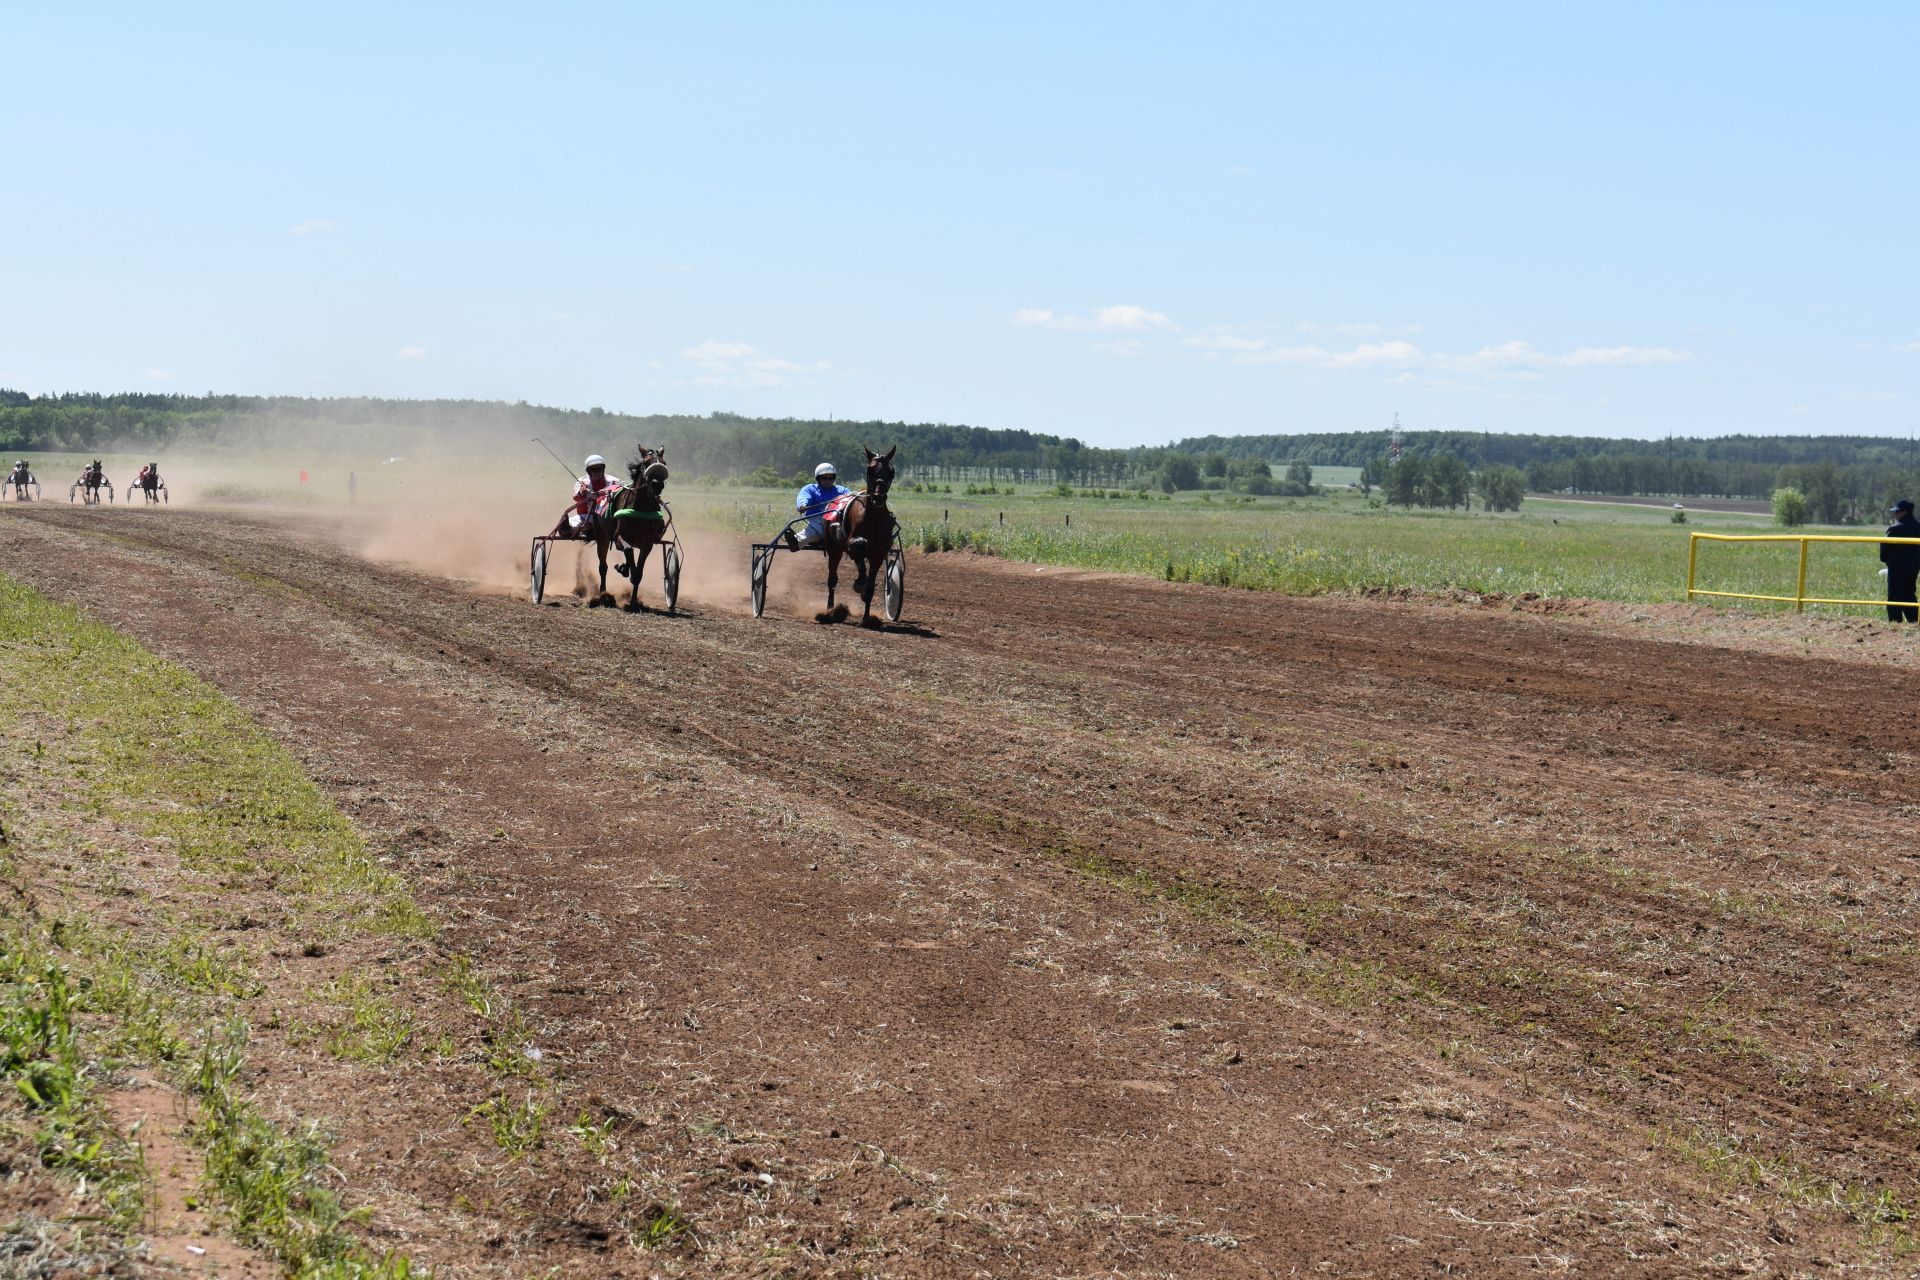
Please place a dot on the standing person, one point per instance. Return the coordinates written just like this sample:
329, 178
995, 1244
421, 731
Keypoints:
1903, 563
815, 502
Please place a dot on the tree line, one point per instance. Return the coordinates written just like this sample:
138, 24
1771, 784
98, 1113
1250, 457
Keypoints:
1845, 479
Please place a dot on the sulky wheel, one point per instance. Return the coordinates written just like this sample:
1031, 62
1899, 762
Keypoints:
537, 571
670, 575
757, 586
894, 586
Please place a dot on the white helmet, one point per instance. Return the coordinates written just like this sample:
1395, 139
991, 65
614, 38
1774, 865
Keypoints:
825, 469
595, 460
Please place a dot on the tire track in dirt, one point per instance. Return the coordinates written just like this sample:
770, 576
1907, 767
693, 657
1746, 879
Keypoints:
986, 724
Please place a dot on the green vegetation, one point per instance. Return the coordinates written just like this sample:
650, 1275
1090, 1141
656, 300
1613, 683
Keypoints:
1845, 478
1883, 1216
58, 1082
143, 747
516, 1125
1341, 541
1789, 507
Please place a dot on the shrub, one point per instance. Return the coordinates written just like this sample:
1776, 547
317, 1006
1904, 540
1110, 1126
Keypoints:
1789, 506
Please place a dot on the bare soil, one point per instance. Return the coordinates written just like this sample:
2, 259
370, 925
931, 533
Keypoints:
1087, 925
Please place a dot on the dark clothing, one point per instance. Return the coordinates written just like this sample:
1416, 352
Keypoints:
1903, 571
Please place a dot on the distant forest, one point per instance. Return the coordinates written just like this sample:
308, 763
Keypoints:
1845, 478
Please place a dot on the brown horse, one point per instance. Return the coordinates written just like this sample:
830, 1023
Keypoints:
90, 481
865, 533
636, 519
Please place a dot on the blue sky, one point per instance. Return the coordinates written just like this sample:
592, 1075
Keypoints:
1124, 222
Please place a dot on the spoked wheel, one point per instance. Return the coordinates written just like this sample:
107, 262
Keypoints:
670, 575
537, 572
894, 586
757, 586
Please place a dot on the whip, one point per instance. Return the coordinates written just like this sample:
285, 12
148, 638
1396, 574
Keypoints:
556, 457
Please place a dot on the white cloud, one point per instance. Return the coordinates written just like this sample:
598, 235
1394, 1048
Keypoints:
1343, 328
312, 227
1907, 346
740, 364
711, 352
1121, 318
1120, 346
1796, 409
1395, 354
1519, 355
411, 352
1221, 338
1866, 397
159, 375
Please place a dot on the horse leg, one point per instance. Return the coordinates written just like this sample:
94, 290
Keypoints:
636, 569
600, 544
834, 612
869, 578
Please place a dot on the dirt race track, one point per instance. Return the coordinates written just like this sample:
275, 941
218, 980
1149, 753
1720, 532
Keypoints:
1097, 926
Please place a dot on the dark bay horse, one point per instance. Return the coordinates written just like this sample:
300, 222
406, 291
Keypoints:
91, 479
864, 532
634, 520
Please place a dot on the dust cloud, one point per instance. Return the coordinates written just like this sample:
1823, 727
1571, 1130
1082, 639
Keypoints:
464, 506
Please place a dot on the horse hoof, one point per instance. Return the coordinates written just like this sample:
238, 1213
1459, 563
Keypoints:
870, 622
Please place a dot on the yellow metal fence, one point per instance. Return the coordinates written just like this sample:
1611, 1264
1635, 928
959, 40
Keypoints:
1799, 599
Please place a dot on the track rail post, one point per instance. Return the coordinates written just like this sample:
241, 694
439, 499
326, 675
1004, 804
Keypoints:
1693, 549
1800, 590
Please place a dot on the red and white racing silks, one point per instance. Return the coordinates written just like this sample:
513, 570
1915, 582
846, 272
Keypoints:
587, 498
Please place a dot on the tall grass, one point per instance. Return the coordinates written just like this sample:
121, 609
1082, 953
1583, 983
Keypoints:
1342, 542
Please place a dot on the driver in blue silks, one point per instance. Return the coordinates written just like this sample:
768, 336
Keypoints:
817, 502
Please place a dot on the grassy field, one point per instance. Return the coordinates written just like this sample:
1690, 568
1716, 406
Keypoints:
1337, 541
139, 765
1341, 541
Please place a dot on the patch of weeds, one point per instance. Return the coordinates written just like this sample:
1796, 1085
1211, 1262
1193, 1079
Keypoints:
275, 1184
56, 1078
516, 1125
463, 981
597, 1139
661, 1226
1884, 1218
510, 1050
372, 1028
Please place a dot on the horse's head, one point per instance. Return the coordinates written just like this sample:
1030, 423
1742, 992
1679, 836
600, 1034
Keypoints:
649, 470
879, 472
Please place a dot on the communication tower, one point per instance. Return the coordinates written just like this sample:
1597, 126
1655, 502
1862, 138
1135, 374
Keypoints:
1399, 438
